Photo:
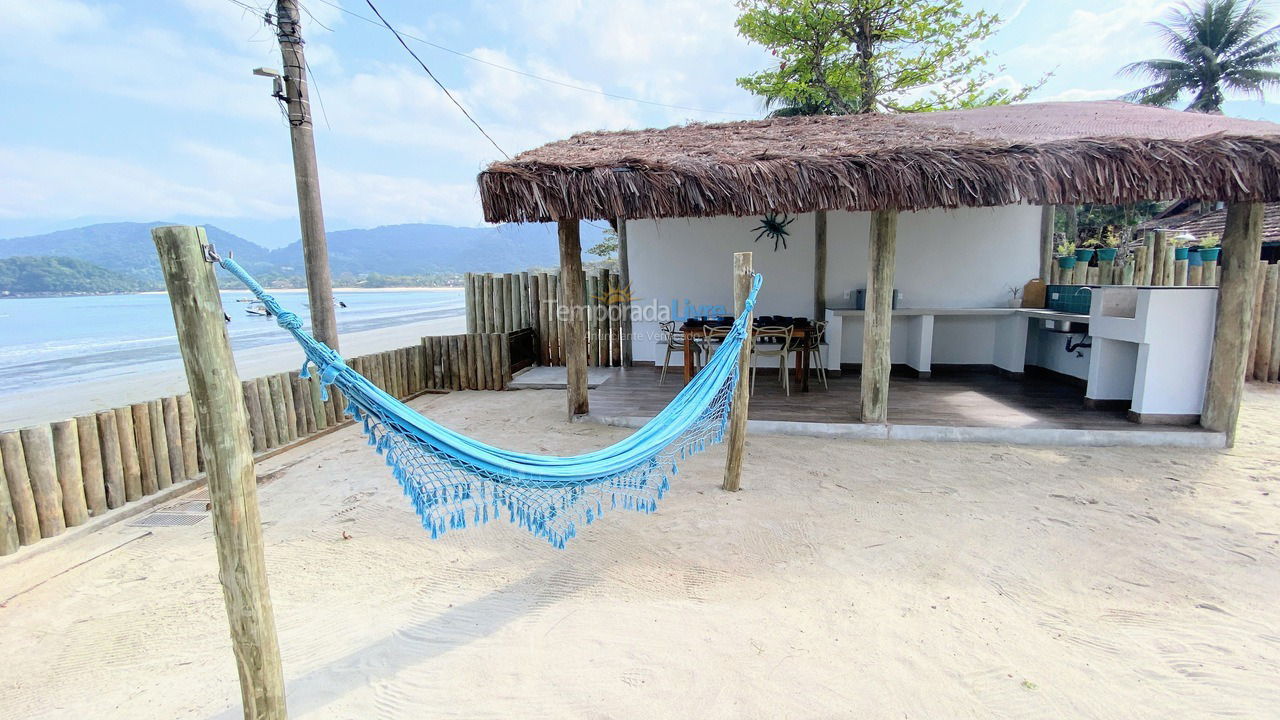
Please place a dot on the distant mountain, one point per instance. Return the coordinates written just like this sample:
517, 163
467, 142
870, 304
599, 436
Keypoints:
397, 250
421, 249
24, 275
125, 248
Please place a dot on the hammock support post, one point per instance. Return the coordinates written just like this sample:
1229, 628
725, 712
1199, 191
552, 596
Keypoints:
576, 327
743, 276
224, 433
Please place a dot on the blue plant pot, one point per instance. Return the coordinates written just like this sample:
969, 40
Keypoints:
1066, 263
1107, 254
1084, 254
1181, 253
1209, 254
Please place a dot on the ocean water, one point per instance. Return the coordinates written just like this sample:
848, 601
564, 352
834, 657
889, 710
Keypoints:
60, 340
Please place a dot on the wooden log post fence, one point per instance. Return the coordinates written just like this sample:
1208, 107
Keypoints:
743, 277
224, 432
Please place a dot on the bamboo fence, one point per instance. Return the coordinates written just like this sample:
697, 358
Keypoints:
60, 475
1264, 343
511, 301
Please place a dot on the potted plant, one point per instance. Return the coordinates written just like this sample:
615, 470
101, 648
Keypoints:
1085, 253
1181, 246
1111, 245
1209, 247
1066, 255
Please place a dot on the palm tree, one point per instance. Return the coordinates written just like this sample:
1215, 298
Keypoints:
1222, 46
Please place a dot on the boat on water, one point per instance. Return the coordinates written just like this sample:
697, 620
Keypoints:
257, 309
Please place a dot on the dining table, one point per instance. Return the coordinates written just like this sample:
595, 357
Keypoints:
799, 339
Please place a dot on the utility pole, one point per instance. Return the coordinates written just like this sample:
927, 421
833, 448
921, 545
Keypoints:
315, 246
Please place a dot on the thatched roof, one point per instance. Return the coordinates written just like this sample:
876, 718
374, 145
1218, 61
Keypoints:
1044, 153
1214, 221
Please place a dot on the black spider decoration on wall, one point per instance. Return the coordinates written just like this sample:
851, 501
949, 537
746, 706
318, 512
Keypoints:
775, 228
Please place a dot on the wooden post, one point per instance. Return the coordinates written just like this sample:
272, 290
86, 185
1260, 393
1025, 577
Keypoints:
1148, 254
37, 446
743, 277
1106, 272
173, 439
95, 489
159, 445
1266, 323
1180, 270
142, 445
187, 419
878, 319
469, 294
1047, 215
1241, 245
1209, 276
224, 432
9, 542
1160, 249
1260, 271
1126, 273
624, 279
1080, 273
575, 340
21, 498
1273, 370
112, 459
129, 463
1195, 275
66, 460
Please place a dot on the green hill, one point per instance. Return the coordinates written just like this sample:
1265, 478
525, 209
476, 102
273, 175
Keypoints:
50, 274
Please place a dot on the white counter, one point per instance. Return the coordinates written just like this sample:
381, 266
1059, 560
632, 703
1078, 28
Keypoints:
1149, 351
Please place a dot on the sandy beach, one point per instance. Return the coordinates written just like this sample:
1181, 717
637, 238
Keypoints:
847, 579
151, 380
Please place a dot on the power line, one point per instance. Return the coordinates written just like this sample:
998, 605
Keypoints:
542, 78
435, 79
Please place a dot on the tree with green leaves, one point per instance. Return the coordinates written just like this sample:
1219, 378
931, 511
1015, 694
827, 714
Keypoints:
607, 246
1218, 47
838, 57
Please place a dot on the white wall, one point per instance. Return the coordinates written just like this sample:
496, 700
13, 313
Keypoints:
945, 258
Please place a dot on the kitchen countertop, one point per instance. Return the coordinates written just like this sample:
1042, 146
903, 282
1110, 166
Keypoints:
1041, 313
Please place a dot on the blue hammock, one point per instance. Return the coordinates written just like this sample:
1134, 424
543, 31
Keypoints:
453, 479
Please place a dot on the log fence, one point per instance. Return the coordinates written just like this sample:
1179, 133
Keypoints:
509, 302
62, 474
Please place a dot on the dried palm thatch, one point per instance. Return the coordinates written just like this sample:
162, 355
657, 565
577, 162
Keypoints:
1045, 153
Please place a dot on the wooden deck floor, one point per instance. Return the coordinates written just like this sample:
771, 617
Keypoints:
966, 399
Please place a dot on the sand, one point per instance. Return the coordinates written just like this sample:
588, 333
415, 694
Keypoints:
151, 380
847, 579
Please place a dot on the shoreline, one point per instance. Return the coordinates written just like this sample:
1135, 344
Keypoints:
44, 295
162, 378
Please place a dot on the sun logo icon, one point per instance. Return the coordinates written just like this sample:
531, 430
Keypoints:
616, 296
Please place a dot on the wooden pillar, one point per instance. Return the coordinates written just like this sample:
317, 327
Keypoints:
9, 543
22, 500
66, 459
819, 265
1266, 322
233, 490
624, 279
1047, 215
1241, 245
876, 362
575, 342
743, 277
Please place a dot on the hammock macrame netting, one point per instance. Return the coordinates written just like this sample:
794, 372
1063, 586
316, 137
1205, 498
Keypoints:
454, 480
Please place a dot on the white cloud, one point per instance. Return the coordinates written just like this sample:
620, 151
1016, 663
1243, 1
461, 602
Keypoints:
1079, 94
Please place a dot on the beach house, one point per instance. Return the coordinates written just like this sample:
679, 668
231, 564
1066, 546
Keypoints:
909, 237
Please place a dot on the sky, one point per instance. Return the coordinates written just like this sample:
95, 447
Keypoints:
138, 110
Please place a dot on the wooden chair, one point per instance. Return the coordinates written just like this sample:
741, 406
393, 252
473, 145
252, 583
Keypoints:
675, 342
772, 341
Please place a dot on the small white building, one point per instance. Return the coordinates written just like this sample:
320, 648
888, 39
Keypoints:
940, 219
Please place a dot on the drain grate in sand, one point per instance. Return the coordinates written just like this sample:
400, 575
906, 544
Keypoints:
168, 519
